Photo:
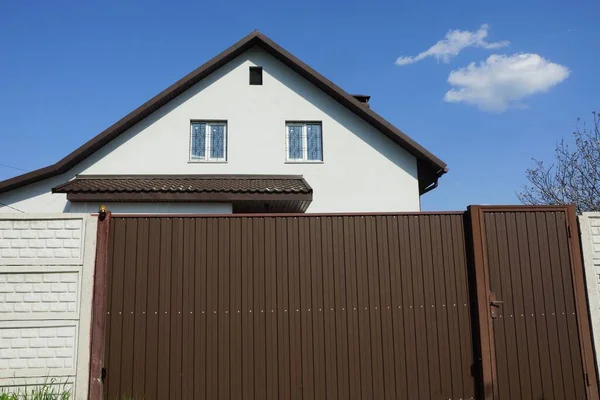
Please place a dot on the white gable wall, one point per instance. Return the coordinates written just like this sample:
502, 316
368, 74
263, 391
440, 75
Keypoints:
363, 170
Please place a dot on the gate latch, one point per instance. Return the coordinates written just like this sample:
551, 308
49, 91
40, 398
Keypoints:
494, 305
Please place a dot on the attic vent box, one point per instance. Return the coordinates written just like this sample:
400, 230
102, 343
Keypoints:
256, 75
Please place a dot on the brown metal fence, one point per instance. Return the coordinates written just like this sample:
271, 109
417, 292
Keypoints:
346, 307
535, 328
537, 318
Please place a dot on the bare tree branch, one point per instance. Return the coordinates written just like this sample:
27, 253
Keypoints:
573, 178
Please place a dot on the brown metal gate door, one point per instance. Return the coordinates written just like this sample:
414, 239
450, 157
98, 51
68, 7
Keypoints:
534, 343
298, 307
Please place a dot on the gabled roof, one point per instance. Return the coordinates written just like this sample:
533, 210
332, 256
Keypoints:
429, 166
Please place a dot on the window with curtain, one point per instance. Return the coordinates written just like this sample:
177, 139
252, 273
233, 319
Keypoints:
208, 141
304, 142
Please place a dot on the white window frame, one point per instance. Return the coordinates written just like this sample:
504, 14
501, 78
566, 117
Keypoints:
207, 148
304, 126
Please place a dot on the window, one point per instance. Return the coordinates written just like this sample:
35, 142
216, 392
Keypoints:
256, 75
304, 142
208, 141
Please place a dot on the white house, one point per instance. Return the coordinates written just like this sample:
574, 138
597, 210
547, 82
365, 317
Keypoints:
252, 130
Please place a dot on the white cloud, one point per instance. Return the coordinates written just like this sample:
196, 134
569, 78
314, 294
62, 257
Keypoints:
502, 81
454, 42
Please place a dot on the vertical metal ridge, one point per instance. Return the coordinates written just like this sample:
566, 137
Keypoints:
174, 312
550, 306
116, 311
440, 277
559, 301
578, 373
457, 292
140, 286
109, 304
544, 354
408, 303
341, 304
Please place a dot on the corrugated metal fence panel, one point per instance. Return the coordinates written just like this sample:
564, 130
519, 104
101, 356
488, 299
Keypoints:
537, 347
347, 307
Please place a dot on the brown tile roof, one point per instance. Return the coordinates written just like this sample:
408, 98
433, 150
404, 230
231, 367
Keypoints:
264, 184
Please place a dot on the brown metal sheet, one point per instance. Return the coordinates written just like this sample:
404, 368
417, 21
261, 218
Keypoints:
519, 315
354, 364
329, 316
440, 275
537, 347
260, 373
569, 318
200, 310
386, 308
114, 313
269, 314
139, 312
187, 310
374, 308
151, 367
164, 302
283, 309
316, 311
212, 333
463, 274
398, 335
288, 307
539, 301
407, 260
174, 312
296, 386
341, 306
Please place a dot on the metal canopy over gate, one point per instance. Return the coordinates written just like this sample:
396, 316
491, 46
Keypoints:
413, 306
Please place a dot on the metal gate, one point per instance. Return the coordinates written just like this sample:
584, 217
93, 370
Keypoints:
346, 307
532, 309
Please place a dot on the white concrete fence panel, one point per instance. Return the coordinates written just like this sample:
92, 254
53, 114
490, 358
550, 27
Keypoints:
589, 224
46, 284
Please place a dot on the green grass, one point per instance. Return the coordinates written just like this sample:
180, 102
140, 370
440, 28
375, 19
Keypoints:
50, 390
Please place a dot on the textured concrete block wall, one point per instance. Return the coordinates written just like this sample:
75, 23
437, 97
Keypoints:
46, 274
589, 224
41, 240
35, 350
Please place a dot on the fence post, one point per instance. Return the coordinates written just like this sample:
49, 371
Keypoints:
481, 289
581, 304
98, 305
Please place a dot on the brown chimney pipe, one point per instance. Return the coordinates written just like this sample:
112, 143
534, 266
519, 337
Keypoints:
363, 98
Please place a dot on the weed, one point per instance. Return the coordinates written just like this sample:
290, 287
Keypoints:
49, 390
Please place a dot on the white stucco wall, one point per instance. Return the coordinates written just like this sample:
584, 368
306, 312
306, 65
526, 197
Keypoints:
46, 282
589, 224
363, 170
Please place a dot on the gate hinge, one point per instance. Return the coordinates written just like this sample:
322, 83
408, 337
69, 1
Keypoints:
569, 230
587, 379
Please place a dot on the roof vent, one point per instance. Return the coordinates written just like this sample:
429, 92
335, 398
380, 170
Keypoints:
363, 98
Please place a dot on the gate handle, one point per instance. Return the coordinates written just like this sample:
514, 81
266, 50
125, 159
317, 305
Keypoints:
496, 303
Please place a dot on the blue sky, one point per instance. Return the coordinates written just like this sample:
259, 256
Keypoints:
68, 70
